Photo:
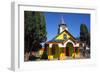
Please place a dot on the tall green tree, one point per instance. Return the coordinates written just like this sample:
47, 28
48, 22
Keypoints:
35, 30
83, 32
84, 36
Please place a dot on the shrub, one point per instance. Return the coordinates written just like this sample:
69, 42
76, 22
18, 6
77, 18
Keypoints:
44, 56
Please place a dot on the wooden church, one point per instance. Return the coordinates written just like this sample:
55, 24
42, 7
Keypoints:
64, 45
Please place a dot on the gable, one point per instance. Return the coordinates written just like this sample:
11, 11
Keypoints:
61, 36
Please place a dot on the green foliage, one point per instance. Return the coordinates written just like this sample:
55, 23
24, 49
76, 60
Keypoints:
44, 56
83, 28
55, 51
33, 58
40, 27
84, 34
35, 30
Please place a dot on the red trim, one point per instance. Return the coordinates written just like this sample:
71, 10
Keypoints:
65, 50
69, 51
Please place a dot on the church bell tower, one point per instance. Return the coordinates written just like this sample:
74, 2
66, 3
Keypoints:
62, 26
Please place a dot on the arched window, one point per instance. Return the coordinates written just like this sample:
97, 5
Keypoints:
65, 37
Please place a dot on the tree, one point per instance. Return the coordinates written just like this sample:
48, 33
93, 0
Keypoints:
35, 30
84, 34
44, 56
84, 37
88, 40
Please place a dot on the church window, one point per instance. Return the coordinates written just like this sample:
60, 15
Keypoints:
65, 36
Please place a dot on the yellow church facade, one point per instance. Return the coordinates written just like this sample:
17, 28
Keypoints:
63, 45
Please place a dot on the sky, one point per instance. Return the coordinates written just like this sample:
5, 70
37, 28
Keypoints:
72, 20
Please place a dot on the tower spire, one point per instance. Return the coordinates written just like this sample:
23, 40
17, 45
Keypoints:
62, 20
62, 25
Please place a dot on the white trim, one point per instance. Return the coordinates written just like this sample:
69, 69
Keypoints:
69, 41
50, 45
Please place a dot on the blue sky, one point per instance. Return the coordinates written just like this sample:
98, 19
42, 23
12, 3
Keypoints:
72, 20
